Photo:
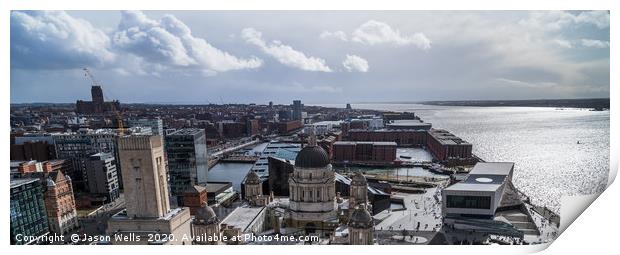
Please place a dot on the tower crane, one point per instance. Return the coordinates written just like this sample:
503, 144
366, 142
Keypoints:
119, 117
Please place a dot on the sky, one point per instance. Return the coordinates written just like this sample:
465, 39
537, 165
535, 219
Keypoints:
202, 57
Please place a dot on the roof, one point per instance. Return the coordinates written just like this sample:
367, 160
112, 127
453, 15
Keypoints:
408, 123
252, 178
186, 131
242, 217
360, 218
195, 189
492, 168
216, 187
373, 143
19, 182
312, 157
205, 215
461, 186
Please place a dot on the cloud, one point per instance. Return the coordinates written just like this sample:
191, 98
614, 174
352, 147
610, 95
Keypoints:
374, 32
284, 54
355, 63
595, 43
563, 43
170, 42
337, 35
524, 84
55, 40
556, 20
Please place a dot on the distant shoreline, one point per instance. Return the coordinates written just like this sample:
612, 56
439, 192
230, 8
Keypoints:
590, 103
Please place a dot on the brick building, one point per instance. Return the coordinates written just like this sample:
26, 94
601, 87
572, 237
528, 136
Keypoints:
403, 137
194, 198
364, 151
33, 150
60, 203
286, 127
444, 145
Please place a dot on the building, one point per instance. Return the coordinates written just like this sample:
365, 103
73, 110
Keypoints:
479, 195
187, 161
78, 147
60, 204
33, 150
252, 127
195, 198
444, 145
156, 125
402, 137
97, 105
312, 191
287, 127
253, 190
232, 129
390, 116
102, 176
28, 215
220, 193
282, 165
298, 108
361, 227
358, 191
322, 127
146, 194
44, 167
414, 124
345, 151
205, 226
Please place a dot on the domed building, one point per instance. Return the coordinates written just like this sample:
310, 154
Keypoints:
205, 226
312, 190
358, 191
361, 227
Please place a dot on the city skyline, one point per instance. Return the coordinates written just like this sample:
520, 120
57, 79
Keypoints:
319, 57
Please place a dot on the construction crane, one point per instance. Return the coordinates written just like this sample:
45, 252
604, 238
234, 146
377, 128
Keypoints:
119, 117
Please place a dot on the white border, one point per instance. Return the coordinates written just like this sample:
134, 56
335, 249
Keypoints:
595, 229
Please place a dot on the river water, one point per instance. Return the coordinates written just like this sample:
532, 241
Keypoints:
543, 143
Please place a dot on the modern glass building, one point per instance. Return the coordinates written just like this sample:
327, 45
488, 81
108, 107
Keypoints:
187, 160
28, 216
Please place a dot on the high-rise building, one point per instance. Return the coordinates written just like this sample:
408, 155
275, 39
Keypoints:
60, 204
102, 176
187, 160
78, 147
146, 194
297, 109
28, 216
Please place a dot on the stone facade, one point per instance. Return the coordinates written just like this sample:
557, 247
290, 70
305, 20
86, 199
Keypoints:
361, 227
312, 190
146, 193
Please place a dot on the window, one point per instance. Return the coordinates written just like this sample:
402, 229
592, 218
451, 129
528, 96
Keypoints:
470, 202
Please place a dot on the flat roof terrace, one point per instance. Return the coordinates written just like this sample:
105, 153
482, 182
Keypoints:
447, 138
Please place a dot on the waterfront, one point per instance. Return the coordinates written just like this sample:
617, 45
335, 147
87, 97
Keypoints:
541, 141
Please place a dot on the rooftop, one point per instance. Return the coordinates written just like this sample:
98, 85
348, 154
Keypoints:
19, 182
492, 168
242, 217
186, 131
373, 143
